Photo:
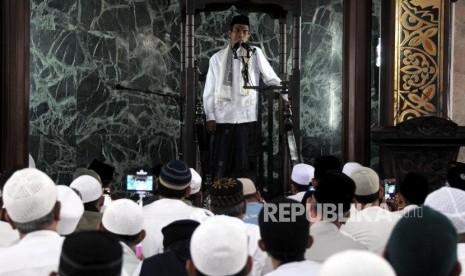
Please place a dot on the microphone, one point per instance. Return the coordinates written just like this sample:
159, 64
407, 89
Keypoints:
234, 49
236, 46
120, 87
246, 46
250, 51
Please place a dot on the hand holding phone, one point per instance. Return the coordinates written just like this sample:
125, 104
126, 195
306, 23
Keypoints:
390, 189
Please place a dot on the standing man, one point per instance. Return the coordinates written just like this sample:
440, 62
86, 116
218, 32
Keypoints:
231, 110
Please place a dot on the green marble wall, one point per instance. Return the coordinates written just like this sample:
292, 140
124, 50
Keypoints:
81, 49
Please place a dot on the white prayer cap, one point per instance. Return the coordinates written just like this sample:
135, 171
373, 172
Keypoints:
366, 181
29, 194
219, 246
123, 217
451, 203
32, 163
248, 188
356, 263
196, 182
349, 167
71, 210
302, 174
88, 186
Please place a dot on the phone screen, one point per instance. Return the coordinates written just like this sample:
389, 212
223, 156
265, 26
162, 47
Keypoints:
139, 182
389, 188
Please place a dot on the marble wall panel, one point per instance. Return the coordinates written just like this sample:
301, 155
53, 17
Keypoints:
321, 85
81, 49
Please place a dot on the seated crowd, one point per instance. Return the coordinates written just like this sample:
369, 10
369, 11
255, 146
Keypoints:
338, 220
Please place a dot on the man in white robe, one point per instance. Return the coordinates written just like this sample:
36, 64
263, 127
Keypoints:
231, 109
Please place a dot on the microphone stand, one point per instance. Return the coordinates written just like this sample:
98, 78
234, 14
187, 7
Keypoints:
177, 98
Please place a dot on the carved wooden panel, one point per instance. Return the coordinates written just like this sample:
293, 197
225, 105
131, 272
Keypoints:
419, 58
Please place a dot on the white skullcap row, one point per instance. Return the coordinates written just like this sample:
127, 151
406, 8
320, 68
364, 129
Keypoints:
32, 163
302, 174
219, 246
71, 210
248, 188
349, 167
29, 194
356, 263
451, 203
196, 182
88, 186
123, 217
366, 181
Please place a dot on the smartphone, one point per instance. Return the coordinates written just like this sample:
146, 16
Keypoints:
142, 183
389, 189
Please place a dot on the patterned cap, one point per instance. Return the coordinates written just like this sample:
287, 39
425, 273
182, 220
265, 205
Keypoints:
123, 217
226, 192
451, 203
29, 194
175, 175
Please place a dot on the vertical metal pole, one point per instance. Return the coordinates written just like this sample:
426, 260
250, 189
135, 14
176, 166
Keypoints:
189, 145
183, 77
295, 84
283, 149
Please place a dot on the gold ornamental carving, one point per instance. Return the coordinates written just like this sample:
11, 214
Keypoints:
418, 58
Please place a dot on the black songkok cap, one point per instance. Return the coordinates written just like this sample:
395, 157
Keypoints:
178, 230
289, 235
90, 253
414, 188
456, 175
105, 171
335, 188
325, 163
240, 19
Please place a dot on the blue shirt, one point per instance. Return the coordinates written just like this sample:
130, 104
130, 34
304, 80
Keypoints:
251, 216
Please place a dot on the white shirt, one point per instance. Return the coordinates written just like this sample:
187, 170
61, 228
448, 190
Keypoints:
259, 257
37, 253
130, 260
296, 268
162, 212
327, 240
8, 235
241, 108
299, 196
461, 256
371, 227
